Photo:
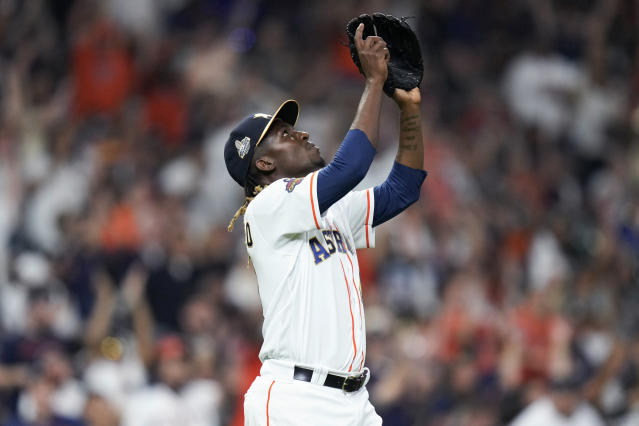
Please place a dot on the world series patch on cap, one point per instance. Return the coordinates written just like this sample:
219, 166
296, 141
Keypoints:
240, 146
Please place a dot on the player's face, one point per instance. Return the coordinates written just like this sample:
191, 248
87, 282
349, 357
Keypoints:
292, 152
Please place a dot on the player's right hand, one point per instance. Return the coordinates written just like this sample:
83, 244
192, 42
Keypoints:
373, 55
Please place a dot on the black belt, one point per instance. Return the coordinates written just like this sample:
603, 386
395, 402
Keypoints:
347, 384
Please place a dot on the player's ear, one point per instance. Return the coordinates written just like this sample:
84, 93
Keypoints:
265, 164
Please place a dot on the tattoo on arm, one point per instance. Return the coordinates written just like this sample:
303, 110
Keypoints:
410, 150
409, 126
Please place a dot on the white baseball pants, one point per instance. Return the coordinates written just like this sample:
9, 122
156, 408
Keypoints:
276, 399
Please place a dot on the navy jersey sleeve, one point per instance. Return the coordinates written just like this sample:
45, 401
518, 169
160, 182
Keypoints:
348, 168
400, 189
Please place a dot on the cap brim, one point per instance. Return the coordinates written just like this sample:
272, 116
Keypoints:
289, 111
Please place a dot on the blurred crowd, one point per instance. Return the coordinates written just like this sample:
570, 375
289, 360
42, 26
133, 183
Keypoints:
508, 293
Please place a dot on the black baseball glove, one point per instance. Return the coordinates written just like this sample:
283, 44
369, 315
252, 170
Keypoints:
406, 66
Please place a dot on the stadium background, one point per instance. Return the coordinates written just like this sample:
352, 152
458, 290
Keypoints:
514, 277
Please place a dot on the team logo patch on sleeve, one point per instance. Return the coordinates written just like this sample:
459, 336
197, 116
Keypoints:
291, 183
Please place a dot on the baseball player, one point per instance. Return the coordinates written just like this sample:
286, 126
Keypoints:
302, 225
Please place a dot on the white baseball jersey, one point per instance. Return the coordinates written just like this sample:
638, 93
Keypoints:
308, 274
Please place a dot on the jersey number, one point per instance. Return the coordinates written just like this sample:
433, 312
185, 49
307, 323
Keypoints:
249, 238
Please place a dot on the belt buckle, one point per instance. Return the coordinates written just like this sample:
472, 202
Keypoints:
359, 381
344, 384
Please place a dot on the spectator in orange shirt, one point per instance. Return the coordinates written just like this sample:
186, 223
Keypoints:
103, 71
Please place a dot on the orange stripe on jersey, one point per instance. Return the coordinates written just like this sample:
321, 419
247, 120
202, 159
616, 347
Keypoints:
359, 301
313, 202
267, 402
352, 319
368, 211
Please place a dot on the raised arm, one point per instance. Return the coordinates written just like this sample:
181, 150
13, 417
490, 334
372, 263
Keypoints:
411, 145
356, 152
402, 186
374, 57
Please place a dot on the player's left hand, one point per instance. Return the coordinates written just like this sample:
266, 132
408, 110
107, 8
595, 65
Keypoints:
404, 98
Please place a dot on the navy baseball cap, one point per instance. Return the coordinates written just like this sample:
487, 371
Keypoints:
240, 146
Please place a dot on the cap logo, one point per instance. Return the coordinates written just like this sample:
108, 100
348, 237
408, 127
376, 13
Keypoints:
243, 146
260, 115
